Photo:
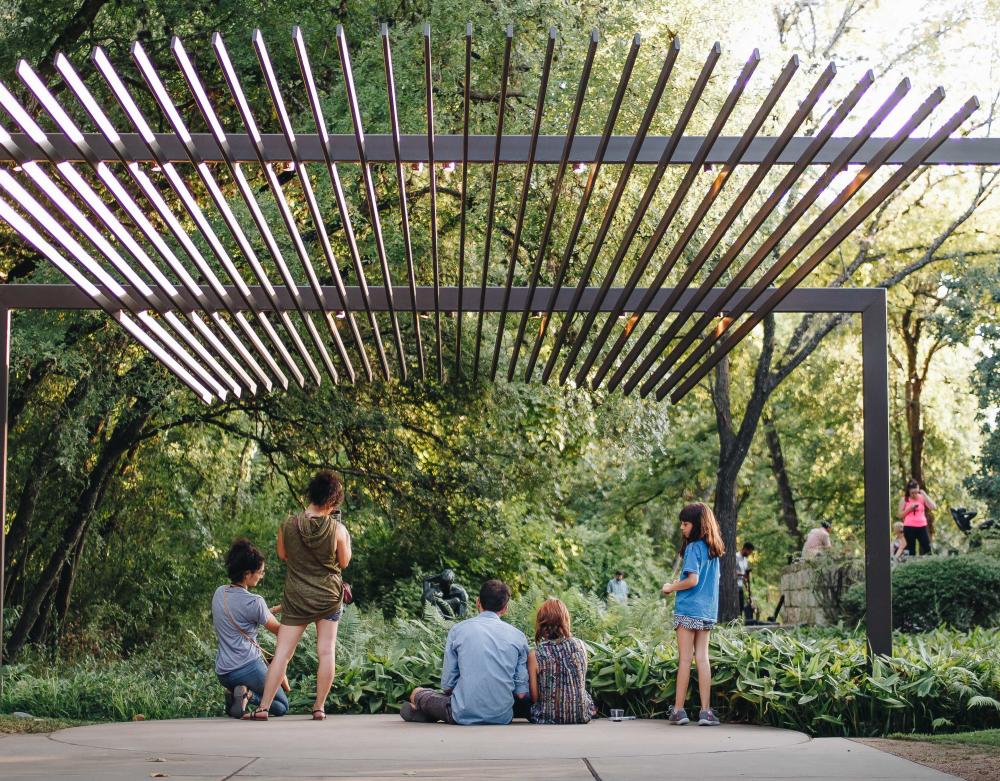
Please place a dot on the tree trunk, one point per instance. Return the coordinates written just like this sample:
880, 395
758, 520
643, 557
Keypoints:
912, 329
67, 579
124, 436
733, 449
724, 503
39, 469
780, 472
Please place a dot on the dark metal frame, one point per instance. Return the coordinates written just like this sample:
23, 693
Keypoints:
869, 303
128, 306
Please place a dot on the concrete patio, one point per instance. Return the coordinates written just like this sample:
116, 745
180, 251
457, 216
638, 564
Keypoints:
384, 747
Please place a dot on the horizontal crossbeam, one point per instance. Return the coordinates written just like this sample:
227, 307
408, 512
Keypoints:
513, 150
801, 300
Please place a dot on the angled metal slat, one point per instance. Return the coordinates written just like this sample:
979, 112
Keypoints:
612, 207
525, 188
370, 195
581, 212
821, 221
748, 232
152, 194
243, 107
640, 211
432, 171
794, 214
490, 214
9, 215
842, 232
83, 258
465, 183
734, 210
207, 178
671, 211
404, 211
217, 378
574, 120
305, 182
190, 204
345, 218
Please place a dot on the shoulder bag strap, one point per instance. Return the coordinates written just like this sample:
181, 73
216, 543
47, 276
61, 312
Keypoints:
229, 615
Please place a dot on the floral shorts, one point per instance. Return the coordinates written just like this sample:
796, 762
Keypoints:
694, 624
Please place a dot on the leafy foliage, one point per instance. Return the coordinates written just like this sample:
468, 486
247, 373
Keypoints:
932, 591
818, 681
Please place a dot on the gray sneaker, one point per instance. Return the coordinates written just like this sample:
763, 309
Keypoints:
708, 719
678, 716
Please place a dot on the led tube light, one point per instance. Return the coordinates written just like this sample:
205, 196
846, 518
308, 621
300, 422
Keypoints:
80, 91
107, 70
25, 229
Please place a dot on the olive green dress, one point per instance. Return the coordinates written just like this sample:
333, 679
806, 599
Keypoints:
313, 584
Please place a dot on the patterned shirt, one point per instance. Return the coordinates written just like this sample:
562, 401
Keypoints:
562, 683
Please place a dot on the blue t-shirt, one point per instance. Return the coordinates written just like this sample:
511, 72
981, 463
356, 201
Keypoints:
702, 601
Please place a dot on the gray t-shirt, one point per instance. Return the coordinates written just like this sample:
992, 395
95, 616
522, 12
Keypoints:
249, 611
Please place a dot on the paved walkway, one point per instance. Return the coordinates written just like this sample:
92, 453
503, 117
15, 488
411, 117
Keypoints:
384, 747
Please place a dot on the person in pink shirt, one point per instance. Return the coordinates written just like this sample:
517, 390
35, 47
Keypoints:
912, 510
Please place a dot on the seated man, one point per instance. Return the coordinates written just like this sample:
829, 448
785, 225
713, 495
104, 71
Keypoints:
485, 674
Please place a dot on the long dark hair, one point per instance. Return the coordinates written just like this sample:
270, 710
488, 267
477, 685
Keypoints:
910, 485
703, 527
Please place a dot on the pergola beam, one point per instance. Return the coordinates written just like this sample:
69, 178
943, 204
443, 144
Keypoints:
811, 300
514, 149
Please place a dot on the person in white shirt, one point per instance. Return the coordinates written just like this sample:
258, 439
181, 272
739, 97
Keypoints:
743, 577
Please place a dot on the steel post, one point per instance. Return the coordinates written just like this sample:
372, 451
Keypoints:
4, 379
875, 395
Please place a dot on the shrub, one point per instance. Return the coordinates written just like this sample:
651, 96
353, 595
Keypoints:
985, 540
815, 680
932, 591
833, 577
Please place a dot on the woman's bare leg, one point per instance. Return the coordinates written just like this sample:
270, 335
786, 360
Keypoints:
685, 652
326, 648
288, 637
704, 667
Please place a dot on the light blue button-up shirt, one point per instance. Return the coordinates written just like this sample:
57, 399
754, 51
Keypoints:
485, 666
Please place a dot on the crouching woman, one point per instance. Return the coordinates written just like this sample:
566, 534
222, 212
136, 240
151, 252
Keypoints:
237, 615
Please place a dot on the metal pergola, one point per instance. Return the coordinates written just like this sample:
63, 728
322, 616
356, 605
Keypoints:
204, 305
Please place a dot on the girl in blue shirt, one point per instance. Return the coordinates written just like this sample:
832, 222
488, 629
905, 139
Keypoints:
697, 606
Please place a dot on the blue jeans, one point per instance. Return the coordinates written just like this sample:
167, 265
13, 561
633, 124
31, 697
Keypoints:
252, 676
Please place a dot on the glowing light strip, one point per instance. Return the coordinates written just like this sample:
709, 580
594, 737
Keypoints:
107, 70
207, 177
23, 227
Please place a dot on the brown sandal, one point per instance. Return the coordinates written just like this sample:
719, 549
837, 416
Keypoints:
260, 714
319, 715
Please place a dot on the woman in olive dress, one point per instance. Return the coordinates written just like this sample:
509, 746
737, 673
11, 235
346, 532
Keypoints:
316, 547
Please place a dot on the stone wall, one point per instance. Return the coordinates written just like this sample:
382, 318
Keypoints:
801, 600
